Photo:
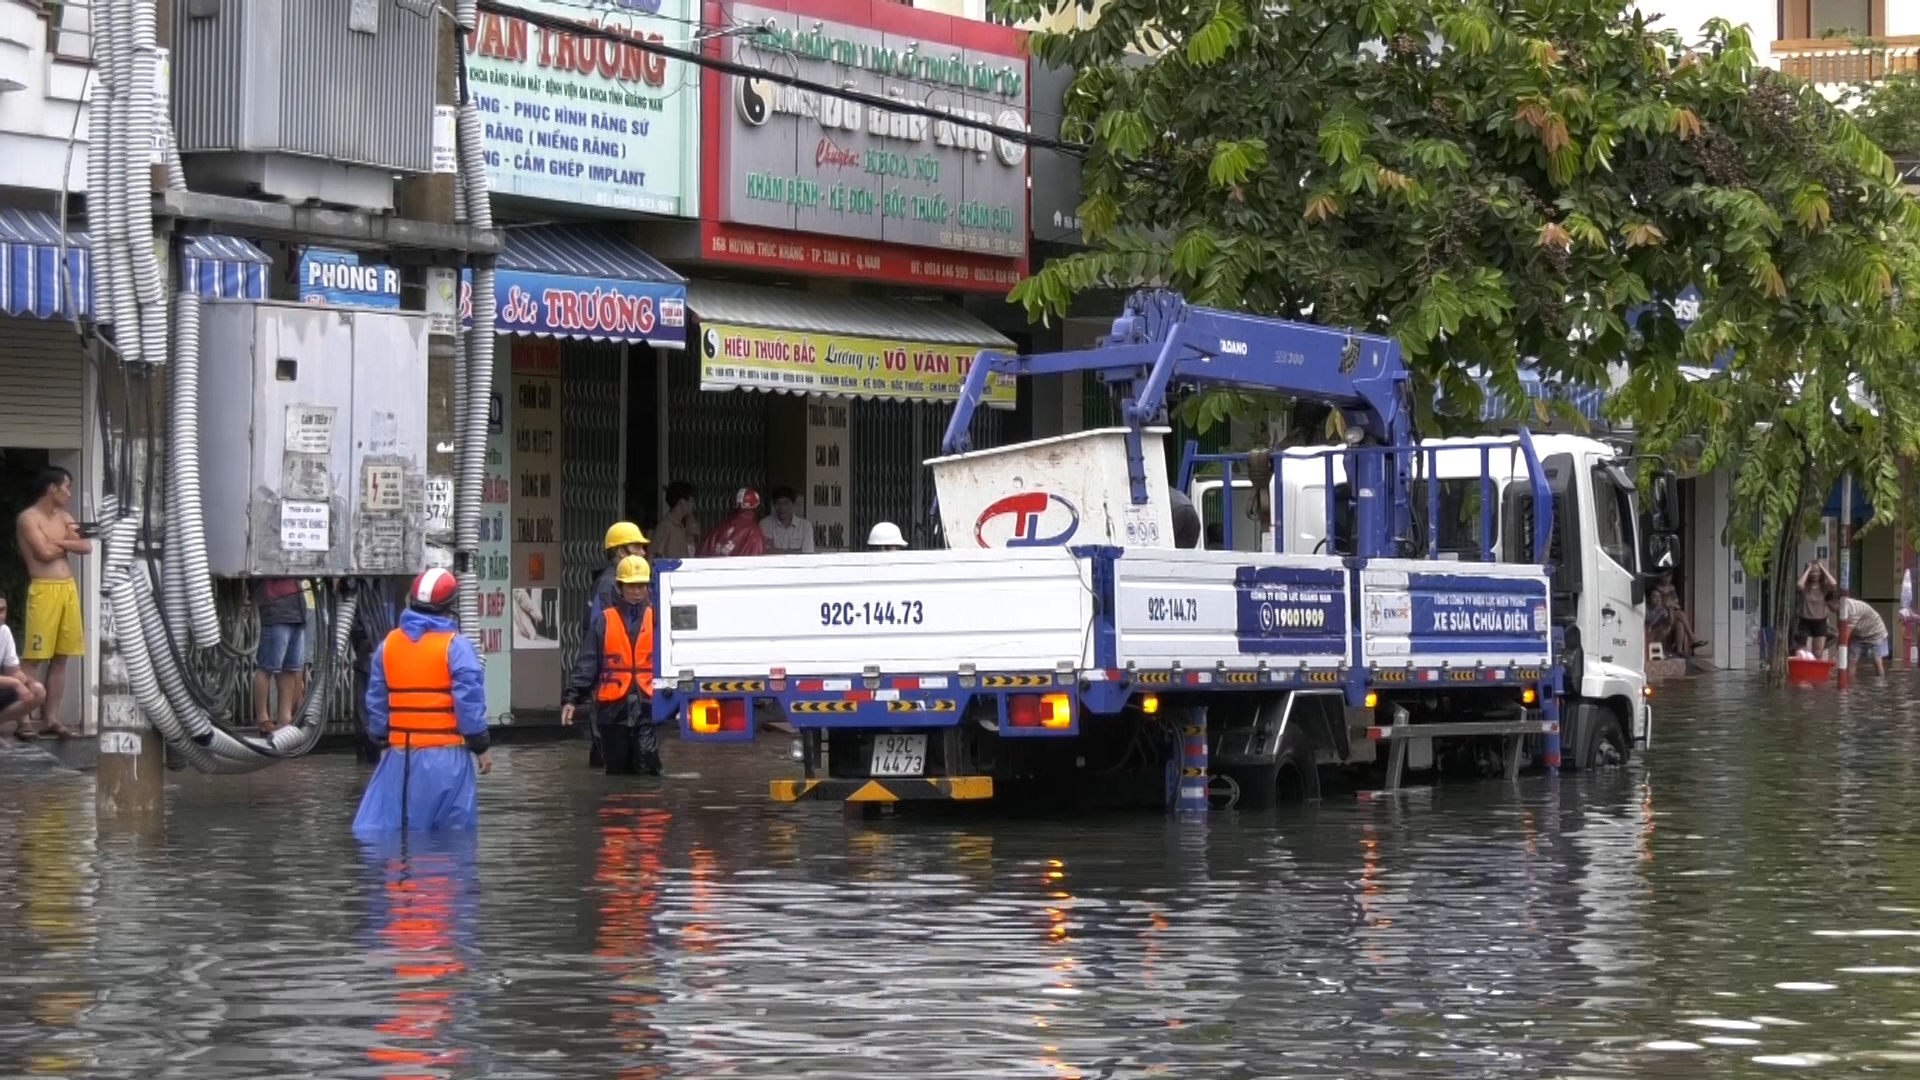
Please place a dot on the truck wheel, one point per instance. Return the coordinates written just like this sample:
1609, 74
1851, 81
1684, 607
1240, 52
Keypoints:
1603, 740
1292, 778
1296, 775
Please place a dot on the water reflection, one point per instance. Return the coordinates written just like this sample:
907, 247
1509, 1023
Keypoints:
423, 910
626, 880
1748, 899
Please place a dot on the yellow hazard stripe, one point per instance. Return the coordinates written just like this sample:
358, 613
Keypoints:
891, 789
923, 706
824, 706
732, 686
792, 790
1001, 682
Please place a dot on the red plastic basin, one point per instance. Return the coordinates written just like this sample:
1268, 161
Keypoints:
1808, 672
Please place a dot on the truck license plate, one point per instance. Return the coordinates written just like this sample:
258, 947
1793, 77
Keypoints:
899, 755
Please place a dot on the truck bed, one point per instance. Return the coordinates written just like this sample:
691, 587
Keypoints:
1100, 610
900, 613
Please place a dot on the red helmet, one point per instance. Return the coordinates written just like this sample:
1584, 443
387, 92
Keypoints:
746, 499
433, 591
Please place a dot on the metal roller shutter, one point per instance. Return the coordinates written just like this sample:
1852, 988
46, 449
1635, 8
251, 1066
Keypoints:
41, 366
716, 440
590, 491
888, 452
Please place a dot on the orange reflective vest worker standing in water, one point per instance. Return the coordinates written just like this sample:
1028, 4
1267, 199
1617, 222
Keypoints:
427, 698
618, 673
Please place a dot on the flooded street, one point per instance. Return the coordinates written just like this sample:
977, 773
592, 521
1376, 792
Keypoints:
1746, 901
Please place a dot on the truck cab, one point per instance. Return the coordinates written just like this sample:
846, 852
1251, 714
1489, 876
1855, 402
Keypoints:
1599, 583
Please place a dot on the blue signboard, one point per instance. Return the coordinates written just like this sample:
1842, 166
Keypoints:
1296, 611
1453, 614
544, 305
336, 278
602, 309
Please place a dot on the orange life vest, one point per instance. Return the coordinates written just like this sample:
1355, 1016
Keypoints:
420, 691
624, 661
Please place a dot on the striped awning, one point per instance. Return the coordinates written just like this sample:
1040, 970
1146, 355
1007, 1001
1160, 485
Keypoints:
585, 281
225, 268
34, 280
581, 251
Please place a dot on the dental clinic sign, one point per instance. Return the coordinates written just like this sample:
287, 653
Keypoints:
798, 160
577, 118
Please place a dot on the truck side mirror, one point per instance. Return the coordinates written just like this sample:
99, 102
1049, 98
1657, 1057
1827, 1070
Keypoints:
1665, 500
1662, 554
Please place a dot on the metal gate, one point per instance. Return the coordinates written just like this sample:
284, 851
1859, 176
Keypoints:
592, 411
716, 439
890, 441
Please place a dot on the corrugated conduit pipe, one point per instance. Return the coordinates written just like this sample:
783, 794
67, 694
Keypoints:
115, 43
143, 117
478, 355
187, 533
99, 192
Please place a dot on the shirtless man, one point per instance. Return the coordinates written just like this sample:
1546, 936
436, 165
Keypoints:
48, 536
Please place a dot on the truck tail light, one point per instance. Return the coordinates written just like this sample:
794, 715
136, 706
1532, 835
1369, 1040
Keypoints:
704, 717
1023, 710
1056, 712
733, 714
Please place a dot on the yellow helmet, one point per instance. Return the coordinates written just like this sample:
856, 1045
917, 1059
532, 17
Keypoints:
622, 534
633, 570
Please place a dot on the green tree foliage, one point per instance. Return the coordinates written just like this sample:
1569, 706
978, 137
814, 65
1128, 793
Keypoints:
1888, 112
1497, 181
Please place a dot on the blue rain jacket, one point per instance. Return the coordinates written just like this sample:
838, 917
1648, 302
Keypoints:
436, 788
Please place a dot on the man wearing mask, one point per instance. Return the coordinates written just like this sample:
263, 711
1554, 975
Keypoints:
616, 668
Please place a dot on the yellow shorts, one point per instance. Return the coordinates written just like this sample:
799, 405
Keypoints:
53, 620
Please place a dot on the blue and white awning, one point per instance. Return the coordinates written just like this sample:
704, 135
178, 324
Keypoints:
35, 280
582, 281
225, 268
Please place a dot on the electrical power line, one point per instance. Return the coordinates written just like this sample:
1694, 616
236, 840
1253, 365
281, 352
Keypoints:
748, 71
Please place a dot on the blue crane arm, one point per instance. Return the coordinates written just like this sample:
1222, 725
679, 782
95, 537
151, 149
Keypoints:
1159, 339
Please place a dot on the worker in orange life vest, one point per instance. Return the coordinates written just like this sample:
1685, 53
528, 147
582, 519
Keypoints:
616, 668
427, 698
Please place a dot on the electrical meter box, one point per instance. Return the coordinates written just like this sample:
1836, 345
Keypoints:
313, 439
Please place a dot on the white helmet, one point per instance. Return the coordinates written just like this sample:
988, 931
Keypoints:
886, 535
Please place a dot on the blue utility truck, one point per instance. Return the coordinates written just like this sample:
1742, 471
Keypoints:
1387, 604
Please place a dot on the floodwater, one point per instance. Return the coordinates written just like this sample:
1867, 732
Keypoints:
1744, 902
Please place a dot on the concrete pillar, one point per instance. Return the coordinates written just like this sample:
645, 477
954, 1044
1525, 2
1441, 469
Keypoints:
130, 789
1718, 603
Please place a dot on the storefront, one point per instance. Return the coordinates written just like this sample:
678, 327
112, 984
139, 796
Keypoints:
853, 396
835, 251
575, 127
49, 411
